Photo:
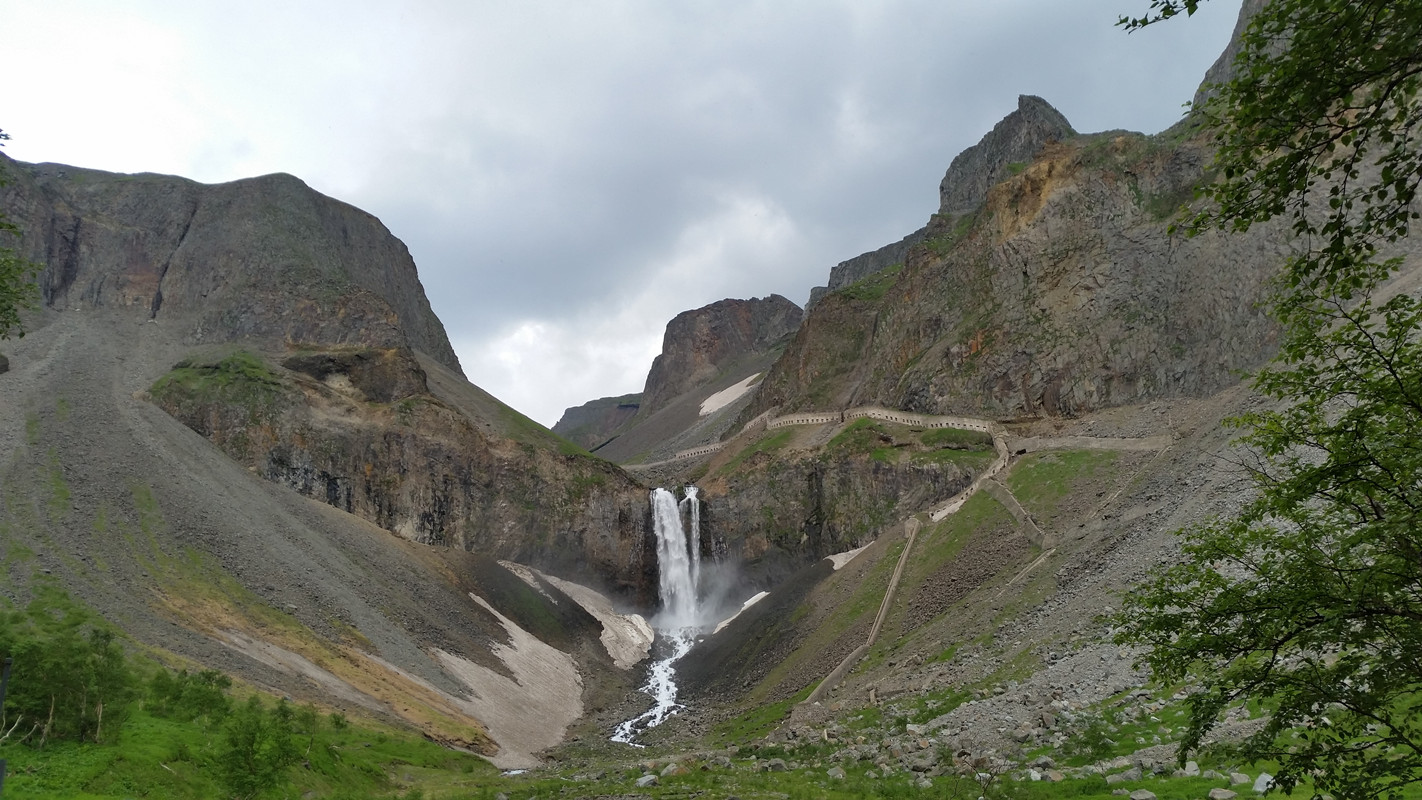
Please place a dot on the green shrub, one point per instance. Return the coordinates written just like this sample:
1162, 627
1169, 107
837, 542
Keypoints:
70, 679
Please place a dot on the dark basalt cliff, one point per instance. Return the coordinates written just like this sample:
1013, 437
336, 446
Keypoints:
1064, 292
1007, 148
351, 416
699, 344
266, 259
593, 423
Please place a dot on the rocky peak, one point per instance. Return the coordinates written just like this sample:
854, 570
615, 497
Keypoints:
1223, 68
267, 259
1010, 145
1017, 139
699, 344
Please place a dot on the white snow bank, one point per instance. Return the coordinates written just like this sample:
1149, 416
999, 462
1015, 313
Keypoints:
747, 604
728, 395
840, 559
627, 637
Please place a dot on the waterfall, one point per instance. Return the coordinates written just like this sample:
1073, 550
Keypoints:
679, 568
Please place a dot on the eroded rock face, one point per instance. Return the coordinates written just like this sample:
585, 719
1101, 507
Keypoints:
323, 289
264, 258
358, 430
1063, 293
1013, 142
699, 344
1009, 146
594, 422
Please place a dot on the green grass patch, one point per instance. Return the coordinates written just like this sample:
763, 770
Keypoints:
872, 287
766, 444
1041, 480
241, 375
759, 720
956, 437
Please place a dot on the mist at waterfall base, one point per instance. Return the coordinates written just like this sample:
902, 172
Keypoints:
693, 601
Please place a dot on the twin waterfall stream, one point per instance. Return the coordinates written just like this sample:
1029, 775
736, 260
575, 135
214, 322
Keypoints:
681, 617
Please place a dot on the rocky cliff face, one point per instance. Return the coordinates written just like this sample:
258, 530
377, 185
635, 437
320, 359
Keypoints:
1005, 150
360, 429
594, 422
1063, 293
862, 266
266, 259
329, 395
699, 344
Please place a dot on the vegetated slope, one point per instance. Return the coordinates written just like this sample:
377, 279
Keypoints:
997, 605
290, 331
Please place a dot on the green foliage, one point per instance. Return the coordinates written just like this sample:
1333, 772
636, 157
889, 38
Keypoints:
873, 287
242, 378
1311, 596
17, 276
189, 697
70, 679
767, 444
258, 747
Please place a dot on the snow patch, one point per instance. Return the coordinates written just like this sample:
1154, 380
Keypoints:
529, 712
729, 395
840, 559
627, 637
747, 604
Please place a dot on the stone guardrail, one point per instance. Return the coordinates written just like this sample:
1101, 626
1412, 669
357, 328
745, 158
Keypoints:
827, 417
805, 418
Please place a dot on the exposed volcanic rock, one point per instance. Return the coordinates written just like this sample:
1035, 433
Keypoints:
267, 259
1063, 293
1009, 146
1013, 142
699, 344
594, 422
862, 266
359, 429
322, 288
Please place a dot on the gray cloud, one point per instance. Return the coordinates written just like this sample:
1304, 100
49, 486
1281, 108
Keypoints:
569, 176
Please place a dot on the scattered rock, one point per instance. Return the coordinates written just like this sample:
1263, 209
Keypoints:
775, 765
1142, 794
1238, 778
647, 780
1132, 774
1263, 783
1222, 794
836, 773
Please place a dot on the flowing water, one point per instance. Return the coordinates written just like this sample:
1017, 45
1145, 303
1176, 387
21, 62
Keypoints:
680, 620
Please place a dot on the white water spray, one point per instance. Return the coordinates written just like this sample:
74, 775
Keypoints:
679, 563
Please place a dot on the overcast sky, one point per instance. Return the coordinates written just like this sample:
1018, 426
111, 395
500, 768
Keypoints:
569, 176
